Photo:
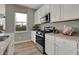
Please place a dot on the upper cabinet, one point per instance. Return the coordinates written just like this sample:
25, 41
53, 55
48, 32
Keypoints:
41, 12
58, 12
37, 17
69, 11
64, 12
44, 10
55, 12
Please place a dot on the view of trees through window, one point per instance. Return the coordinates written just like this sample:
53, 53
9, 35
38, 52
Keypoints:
21, 21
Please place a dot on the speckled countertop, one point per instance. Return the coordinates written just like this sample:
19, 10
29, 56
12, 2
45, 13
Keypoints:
74, 38
4, 44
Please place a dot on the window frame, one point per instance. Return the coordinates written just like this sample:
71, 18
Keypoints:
26, 23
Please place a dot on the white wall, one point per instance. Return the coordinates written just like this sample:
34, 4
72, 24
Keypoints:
10, 23
30, 22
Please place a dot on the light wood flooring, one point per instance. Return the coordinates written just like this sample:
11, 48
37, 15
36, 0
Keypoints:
27, 48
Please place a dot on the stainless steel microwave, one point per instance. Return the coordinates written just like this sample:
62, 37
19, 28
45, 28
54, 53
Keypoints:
46, 18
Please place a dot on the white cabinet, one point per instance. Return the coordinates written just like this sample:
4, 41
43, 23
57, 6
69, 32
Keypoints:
41, 12
49, 45
65, 51
33, 36
64, 12
37, 16
44, 10
55, 45
65, 47
58, 12
69, 11
55, 12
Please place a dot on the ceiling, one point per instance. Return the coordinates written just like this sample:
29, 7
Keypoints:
33, 6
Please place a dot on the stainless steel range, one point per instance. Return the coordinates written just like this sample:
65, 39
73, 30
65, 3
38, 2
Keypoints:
40, 38
40, 41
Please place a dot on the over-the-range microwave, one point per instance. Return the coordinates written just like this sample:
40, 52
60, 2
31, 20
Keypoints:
46, 18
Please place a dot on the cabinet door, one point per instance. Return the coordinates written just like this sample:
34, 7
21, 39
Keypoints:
70, 11
65, 47
41, 12
37, 17
44, 10
48, 48
53, 45
55, 12
49, 45
65, 51
33, 36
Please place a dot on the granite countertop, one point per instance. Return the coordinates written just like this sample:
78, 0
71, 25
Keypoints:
4, 44
74, 37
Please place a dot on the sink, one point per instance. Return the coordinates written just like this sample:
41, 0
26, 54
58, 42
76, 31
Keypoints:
3, 38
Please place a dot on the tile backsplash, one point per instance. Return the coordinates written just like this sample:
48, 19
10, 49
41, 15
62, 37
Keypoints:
60, 25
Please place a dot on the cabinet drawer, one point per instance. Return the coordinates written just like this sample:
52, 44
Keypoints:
63, 42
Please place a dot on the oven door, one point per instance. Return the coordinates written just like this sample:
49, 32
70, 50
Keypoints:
40, 40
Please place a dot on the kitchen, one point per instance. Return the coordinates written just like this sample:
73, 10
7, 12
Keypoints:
53, 29
61, 40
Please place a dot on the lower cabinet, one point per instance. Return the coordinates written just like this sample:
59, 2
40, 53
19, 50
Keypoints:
33, 36
65, 51
49, 45
60, 46
65, 47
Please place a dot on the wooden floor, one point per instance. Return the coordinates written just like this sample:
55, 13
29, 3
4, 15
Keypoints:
27, 48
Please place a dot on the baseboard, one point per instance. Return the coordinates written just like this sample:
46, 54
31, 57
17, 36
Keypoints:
22, 41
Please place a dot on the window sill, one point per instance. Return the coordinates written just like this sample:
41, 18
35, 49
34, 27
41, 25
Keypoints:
20, 31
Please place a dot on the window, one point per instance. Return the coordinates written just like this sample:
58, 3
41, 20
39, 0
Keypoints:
21, 21
2, 22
